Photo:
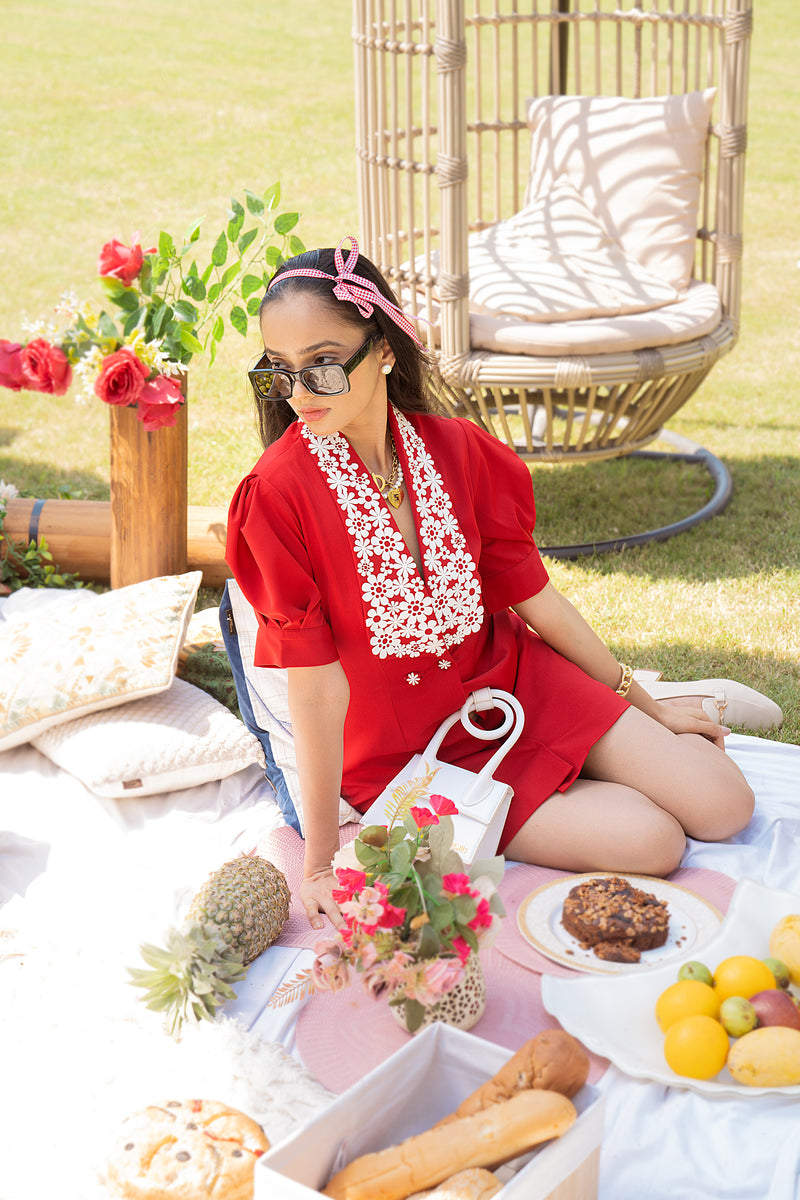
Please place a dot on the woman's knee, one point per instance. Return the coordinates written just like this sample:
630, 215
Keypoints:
725, 809
659, 845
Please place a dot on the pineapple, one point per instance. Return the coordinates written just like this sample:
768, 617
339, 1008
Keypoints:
239, 911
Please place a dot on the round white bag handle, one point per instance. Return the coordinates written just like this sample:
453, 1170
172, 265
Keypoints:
482, 701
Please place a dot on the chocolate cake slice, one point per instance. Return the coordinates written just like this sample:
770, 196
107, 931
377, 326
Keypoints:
615, 919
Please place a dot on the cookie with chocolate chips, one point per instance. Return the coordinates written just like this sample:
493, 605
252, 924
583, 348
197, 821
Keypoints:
186, 1150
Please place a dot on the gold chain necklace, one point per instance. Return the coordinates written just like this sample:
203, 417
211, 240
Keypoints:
390, 488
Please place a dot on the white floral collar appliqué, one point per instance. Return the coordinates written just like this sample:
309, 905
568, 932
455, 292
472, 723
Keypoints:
406, 615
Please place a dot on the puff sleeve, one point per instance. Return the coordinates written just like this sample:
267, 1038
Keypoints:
510, 566
267, 554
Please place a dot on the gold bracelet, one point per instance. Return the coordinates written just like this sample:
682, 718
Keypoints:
626, 680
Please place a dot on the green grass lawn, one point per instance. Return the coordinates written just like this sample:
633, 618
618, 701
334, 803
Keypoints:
117, 119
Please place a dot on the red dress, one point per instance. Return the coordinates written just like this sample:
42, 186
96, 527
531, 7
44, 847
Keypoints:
316, 551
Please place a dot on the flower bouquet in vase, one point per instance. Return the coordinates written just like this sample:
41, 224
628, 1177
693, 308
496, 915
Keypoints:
415, 919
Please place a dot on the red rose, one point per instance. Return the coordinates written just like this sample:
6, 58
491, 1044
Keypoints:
159, 403
120, 261
45, 368
11, 365
121, 378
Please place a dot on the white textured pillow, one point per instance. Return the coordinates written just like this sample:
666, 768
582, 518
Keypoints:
636, 163
554, 261
176, 739
74, 658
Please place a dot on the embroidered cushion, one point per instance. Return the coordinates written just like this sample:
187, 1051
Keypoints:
76, 657
264, 703
176, 739
636, 163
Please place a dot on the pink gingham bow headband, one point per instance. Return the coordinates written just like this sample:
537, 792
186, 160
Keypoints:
359, 291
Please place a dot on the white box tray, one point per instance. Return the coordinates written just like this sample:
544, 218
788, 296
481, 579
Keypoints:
417, 1086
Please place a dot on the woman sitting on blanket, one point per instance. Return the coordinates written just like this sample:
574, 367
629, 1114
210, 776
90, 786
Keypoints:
389, 554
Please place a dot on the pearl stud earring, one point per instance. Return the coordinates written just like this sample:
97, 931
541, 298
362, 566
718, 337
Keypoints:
387, 368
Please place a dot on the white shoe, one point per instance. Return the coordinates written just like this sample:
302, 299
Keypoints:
726, 702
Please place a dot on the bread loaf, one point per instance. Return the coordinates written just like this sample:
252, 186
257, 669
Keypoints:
553, 1060
186, 1150
486, 1139
472, 1184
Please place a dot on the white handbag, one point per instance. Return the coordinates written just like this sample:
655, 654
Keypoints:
482, 801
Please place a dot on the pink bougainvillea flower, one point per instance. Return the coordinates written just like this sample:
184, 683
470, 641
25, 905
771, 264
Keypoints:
424, 817
121, 378
120, 261
45, 368
159, 402
351, 883
483, 917
461, 948
391, 917
457, 885
11, 365
443, 806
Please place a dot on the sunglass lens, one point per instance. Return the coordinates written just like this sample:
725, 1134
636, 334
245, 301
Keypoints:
326, 381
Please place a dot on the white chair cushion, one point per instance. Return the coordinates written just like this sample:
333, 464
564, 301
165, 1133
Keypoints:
637, 164
554, 261
696, 315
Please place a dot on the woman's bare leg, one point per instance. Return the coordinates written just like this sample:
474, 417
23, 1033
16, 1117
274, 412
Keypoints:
642, 789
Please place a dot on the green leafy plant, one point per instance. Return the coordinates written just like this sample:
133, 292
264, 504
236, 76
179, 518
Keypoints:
170, 305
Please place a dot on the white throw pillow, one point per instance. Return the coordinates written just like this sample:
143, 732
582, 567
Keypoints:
554, 261
636, 163
177, 739
69, 659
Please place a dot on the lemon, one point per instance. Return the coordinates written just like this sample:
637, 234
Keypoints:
686, 998
696, 1046
742, 975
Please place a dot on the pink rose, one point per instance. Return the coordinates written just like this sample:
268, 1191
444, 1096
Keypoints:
11, 365
120, 261
159, 402
45, 368
121, 378
329, 970
457, 884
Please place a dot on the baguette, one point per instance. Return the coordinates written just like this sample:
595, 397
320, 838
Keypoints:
486, 1139
553, 1060
473, 1184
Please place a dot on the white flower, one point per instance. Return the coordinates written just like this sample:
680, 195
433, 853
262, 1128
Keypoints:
345, 858
8, 491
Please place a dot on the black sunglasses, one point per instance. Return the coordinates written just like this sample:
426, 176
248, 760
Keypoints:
331, 379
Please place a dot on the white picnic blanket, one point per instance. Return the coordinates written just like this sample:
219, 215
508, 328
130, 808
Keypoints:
83, 881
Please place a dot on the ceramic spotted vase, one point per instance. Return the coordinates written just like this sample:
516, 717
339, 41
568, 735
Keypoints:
462, 1006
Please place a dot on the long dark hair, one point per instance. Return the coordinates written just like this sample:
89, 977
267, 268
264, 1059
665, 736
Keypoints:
413, 383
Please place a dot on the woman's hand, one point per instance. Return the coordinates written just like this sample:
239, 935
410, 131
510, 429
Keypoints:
316, 897
690, 719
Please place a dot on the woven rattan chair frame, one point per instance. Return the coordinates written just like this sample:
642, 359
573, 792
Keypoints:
443, 149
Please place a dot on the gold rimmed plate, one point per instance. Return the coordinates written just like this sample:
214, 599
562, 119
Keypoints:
693, 921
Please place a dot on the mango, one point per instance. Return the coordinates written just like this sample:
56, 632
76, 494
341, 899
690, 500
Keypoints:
784, 943
768, 1057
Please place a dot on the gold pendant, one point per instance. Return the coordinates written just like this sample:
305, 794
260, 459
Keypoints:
380, 483
395, 496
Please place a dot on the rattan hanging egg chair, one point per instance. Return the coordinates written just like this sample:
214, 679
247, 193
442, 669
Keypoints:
448, 96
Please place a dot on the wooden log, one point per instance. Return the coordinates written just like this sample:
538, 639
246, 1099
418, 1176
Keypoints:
148, 474
78, 533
